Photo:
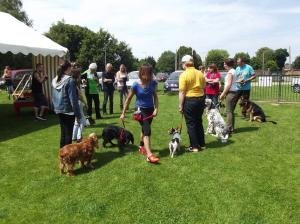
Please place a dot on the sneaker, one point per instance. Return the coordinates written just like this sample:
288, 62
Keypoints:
41, 118
152, 159
142, 150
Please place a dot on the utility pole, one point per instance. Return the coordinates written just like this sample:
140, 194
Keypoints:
263, 63
290, 57
175, 59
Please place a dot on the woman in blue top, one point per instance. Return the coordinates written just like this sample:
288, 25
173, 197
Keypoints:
147, 105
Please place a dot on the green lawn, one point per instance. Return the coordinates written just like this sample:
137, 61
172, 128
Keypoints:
254, 178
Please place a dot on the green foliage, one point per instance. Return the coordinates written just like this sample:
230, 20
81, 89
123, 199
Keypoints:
69, 36
244, 55
296, 63
271, 65
256, 63
216, 56
166, 62
184, 50
86, 46
280, 56
14, 7
264, 54
148, 60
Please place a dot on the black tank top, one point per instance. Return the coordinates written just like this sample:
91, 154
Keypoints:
36, 86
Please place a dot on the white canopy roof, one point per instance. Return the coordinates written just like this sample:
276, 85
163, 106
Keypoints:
16, 37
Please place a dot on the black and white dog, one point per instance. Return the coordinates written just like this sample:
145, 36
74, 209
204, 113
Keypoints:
174, 144
216, 124
122, 136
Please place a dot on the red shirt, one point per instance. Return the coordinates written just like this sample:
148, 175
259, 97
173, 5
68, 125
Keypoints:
215, 87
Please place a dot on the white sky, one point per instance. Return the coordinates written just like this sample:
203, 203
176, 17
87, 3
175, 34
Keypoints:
152, 26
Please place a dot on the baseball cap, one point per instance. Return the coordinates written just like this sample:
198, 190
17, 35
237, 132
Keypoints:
93, 66
186, 58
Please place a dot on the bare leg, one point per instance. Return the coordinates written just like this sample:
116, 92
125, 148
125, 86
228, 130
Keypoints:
147, 145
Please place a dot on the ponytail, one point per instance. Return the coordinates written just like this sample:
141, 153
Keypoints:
62, 69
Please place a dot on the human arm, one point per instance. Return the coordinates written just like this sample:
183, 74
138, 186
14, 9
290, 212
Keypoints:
40, 78
227, 86
106, 79
155, 112
127, 102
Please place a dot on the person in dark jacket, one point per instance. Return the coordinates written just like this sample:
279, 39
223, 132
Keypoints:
108, 79
91, 81
65, 102
40, 101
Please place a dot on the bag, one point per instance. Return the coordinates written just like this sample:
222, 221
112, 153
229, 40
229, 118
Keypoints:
137, 115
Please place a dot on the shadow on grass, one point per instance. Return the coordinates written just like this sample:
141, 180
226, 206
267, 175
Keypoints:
104, 158
218, 144
12, 126
245, 129
166, 152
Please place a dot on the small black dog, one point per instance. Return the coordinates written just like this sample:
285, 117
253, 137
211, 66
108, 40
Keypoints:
123, 136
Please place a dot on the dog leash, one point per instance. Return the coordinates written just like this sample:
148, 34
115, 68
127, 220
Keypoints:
180, 126
122, 133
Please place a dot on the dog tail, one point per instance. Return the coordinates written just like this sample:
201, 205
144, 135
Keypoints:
273, 122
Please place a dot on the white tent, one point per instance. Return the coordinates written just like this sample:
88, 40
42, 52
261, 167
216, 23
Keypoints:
16, 37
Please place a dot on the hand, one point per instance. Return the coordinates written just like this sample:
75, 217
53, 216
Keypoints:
222, 96
122, 117
155, 112
77, 120
180, 108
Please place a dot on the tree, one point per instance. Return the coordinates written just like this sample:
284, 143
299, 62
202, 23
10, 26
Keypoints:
256, 63
86, 46
165, 62
296, 63
14, 7
264, 54
69, 36
242, 55
183, 50
216, 56
272, 65
148, 60
280, 56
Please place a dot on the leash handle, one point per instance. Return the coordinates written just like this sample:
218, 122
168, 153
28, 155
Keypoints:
123, 123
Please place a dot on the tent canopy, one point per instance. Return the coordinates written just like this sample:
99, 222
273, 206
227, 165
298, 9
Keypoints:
16, 37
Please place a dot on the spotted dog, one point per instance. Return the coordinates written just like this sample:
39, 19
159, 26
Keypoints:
216, 124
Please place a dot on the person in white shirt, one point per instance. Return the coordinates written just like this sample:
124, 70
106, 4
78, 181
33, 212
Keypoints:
229, 92
122, 78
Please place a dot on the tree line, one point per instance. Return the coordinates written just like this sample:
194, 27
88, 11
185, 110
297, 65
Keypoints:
86, 46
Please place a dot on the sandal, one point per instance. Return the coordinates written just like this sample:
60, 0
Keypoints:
152, 159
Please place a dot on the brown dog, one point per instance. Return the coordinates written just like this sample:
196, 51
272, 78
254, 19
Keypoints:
83, 152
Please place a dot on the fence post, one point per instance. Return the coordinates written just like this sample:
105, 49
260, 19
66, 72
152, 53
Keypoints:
279, 87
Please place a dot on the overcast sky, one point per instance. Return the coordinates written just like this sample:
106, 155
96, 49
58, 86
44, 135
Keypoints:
152, 26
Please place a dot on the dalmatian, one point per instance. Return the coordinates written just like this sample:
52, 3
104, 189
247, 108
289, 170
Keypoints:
216, 124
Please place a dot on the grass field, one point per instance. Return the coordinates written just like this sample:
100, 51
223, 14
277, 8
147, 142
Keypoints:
254, 178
